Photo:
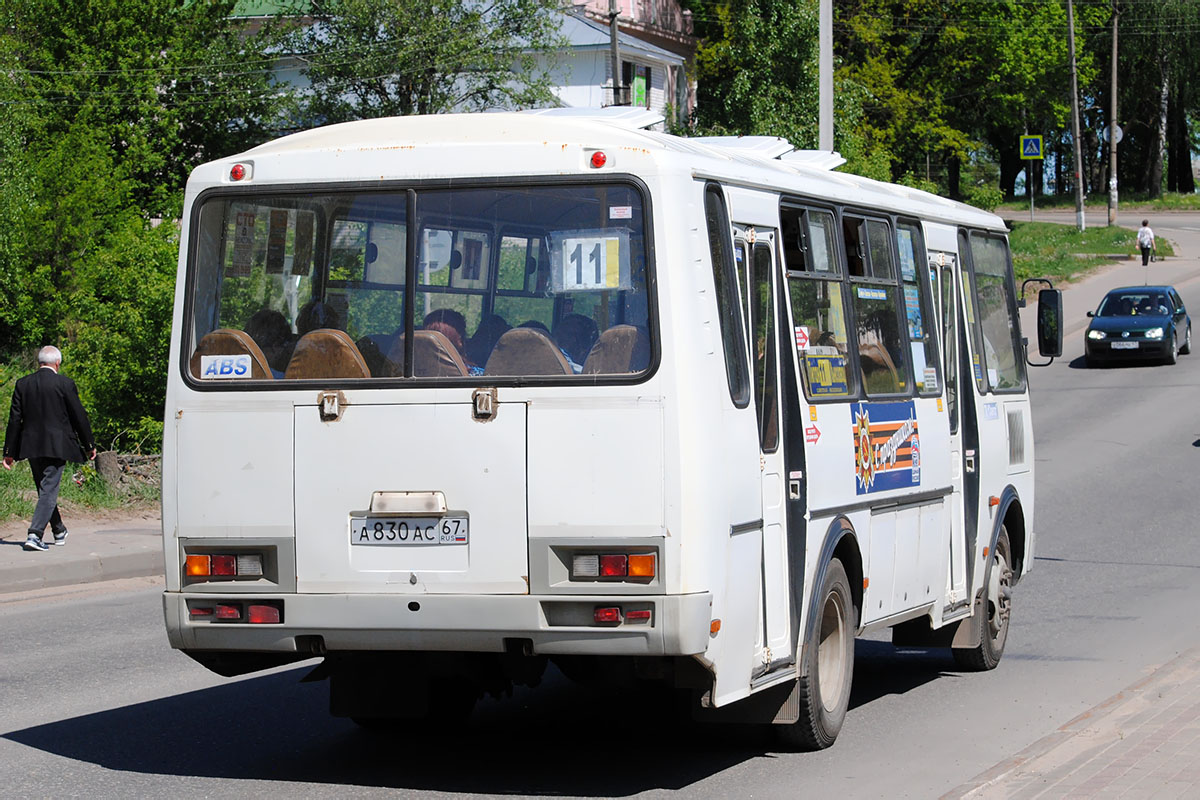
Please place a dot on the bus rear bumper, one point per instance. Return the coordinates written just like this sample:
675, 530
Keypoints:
678, 625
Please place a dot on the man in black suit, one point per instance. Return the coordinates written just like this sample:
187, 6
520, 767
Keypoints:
47, 425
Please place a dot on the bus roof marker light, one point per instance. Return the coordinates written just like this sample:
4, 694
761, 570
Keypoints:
239, 172
599, 159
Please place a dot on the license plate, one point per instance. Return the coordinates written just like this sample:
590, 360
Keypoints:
1125, 345
408, 530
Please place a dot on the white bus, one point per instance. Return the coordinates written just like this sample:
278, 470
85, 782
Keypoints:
454, 397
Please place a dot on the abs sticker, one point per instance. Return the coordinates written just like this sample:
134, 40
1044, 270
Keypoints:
223, 368
886, 447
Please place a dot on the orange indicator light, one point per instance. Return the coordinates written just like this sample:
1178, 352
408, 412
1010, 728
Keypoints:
198, 566
641, 566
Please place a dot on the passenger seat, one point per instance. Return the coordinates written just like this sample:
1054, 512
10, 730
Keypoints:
326, 353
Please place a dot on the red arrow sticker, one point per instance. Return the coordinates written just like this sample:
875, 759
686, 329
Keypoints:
812, 434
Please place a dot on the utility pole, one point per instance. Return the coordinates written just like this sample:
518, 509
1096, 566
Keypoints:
1079, 222
825, 75
1112, 124
617, 86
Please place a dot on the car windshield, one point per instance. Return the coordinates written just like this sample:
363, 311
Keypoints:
500, 282
1132, 304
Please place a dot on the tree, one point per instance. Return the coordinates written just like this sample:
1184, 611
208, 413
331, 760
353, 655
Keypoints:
108, 104
378, 58
757, 75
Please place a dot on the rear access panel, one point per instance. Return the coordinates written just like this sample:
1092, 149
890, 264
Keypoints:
411, 499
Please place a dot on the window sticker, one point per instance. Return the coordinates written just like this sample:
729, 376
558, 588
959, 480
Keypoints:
802, 337
277, 229
214, 368
826, 373
978, 368
931, 383
302, 258
908, 266
588, 260
243, 244
620, 212
887, 448
912, 308
866, 293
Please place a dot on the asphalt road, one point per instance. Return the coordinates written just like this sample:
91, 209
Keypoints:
95, 703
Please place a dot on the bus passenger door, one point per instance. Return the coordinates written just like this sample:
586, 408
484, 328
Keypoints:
774, 649
942, 265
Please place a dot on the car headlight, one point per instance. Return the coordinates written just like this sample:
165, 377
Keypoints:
1097, 335
1154, 333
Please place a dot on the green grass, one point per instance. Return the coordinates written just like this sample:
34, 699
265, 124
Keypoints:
1131, 204
17, 495
1047, 249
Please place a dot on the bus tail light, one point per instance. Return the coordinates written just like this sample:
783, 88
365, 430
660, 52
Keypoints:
228, 611
224, 565
263, 614
610, 615
614, 566
629, 566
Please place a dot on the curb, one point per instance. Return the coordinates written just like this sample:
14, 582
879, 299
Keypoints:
90, 570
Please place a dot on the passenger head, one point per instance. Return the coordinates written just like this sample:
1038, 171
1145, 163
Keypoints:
315, 315
447, 330
268, 328
576, 334
533, 323
450, 317
490, 329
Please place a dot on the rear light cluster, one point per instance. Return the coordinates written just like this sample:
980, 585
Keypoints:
248, 565
616, 615
256, 613
614, 566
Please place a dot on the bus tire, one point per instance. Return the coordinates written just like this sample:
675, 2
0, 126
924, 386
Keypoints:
992, 614
824, 691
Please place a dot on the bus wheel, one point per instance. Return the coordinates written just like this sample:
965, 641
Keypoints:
829, 660
992, 614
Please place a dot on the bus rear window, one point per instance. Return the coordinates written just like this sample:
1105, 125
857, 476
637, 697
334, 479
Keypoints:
508, 283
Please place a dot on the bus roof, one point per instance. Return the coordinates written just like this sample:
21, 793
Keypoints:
767, 162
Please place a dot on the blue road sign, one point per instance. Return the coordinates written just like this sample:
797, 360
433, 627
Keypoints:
1031, 147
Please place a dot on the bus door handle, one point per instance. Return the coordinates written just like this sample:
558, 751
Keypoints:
969, 460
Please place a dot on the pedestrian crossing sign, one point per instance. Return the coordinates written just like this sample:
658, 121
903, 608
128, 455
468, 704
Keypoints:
1031, 147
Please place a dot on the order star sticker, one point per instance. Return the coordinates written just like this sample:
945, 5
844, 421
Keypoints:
864, 455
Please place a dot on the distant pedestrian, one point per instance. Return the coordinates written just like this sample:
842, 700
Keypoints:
48, 426
1145, 238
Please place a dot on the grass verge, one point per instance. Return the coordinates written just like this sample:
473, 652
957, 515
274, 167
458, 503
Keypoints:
1048, 249
18, 496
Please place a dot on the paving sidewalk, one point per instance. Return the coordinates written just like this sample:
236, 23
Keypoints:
97, 549
1144, 742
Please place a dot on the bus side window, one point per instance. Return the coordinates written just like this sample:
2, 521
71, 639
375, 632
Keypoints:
818, 302
882, 351
917, 305
737, 370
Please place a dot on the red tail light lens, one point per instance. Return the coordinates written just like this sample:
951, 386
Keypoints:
261, 614
224, 565
227, 611
202, 611
642, 615
614, 566
608, 616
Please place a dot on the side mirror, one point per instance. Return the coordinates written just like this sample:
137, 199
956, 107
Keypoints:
1049, 323
1090, 313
